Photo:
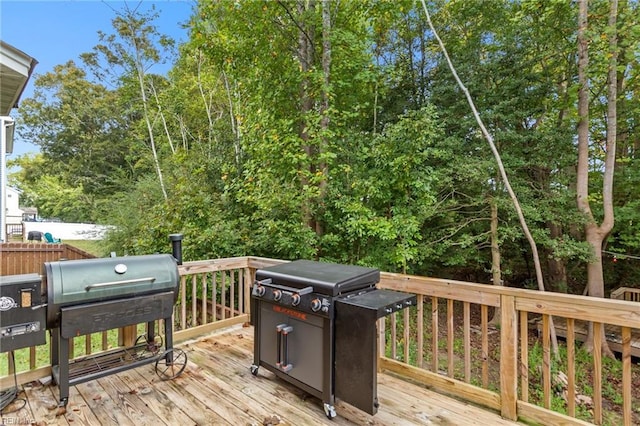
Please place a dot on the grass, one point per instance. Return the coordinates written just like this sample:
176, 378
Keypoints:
42, 357
90, 246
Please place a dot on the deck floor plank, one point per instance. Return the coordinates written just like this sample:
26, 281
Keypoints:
282, 400
44, 404
217, 388
284, 391
199, 411
107, 410
158, 402
78, 411
136, 409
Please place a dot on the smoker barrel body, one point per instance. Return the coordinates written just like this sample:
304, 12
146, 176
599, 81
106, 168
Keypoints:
80, 282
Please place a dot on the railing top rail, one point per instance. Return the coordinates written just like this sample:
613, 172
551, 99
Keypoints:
619, 292
610, 311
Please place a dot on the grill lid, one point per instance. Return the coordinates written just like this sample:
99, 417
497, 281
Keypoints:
326, 278
88, 280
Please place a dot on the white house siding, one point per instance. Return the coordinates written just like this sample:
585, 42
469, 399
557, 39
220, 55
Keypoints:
13, 212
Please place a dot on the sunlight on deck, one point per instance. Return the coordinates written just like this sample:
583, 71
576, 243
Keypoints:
217, 389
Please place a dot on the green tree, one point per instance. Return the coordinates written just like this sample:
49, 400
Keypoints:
81, 134
125, 57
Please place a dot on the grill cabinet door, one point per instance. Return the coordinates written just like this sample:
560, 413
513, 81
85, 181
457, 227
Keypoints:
304, 352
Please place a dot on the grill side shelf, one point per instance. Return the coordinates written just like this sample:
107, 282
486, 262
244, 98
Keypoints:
356, 357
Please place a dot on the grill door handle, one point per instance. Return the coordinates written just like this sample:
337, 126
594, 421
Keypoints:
119, 283
279, 328
282, 345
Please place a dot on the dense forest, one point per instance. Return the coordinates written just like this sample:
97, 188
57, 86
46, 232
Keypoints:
336, 130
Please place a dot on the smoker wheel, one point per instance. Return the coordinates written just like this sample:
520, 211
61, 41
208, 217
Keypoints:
144, 347
330, 411
171, 364
254, 369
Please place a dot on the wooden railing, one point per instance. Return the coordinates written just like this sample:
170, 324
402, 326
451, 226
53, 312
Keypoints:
453, 343
214, 294
626, 293
446, 342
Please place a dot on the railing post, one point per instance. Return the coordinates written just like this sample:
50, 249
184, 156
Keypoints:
508, 357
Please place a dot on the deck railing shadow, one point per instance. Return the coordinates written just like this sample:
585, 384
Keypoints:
446, 342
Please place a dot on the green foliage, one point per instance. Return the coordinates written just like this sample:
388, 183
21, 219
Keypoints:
611, 387
376, 160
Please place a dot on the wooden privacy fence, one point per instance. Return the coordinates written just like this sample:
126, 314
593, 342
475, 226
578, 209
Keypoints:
27, 258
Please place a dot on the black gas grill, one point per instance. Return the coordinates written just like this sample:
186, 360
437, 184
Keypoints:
314, 326
80, 297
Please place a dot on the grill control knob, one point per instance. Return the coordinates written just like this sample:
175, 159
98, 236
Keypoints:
277, 295
316, 304
260, 291
295, 300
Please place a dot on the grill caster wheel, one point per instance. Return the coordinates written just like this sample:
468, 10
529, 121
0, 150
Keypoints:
171, 364
254, 370
330, 411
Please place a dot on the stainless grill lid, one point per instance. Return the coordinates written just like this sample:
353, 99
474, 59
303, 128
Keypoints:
326, 278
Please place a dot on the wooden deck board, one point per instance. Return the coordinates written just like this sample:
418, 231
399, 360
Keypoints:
217, 388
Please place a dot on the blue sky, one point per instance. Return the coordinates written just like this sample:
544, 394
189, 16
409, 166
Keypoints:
54, 32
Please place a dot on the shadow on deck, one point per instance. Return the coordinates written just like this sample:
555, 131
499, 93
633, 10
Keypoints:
217, 388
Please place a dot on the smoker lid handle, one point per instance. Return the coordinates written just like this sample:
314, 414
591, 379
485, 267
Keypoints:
119, 283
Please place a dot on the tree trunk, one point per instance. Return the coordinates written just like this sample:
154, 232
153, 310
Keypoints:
496, 272
596, 235
503, 173
324, 113
557, 267
305, 56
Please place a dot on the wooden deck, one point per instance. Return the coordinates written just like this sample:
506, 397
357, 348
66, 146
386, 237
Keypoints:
217, 388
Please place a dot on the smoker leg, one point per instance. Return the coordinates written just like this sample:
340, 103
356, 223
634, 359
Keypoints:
168, 333
55, 344
63, 368
151, 331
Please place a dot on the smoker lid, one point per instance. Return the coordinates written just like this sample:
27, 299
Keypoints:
326, 278
89, 280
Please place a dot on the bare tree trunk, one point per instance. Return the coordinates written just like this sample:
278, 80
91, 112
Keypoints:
305, 56
163, 118
324, 111
147, 119
503, 173
557, 267
596, 235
